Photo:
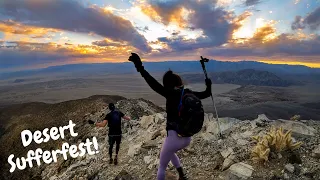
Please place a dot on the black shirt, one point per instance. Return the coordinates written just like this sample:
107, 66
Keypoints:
114, 122
172, 98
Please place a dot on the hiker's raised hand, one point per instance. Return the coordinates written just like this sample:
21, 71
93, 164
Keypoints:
136, 60
208, 82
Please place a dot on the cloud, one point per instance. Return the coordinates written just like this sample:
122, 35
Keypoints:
180, 43
107, 42
296, 1
19, 54
265, 43
192, 15
237, 22
311, 21
211, 33
12, 27
251, 2
298, 23
70, 15
284, 45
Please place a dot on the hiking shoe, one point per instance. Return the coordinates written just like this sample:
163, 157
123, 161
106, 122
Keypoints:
111, 161
183, 177
115, 161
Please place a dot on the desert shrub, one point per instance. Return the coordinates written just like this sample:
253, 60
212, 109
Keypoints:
295, 118
275, 141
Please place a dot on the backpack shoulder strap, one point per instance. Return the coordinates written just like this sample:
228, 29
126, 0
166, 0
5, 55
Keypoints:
180, 104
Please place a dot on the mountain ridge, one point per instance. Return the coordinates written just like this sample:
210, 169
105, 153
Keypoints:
242, 77
177, 66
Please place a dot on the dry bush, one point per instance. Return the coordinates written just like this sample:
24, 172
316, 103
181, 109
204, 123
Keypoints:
275, 141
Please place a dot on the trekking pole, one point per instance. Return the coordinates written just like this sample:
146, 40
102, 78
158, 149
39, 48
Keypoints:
202, 61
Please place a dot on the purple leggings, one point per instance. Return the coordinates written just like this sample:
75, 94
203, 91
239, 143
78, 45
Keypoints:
172, 144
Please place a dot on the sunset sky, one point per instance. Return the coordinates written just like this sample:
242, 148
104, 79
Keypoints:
42, 33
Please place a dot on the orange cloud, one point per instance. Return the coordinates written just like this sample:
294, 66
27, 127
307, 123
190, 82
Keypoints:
239, 32
22, 54
175, 15
264, 32
13, 27
239, 21
70, 50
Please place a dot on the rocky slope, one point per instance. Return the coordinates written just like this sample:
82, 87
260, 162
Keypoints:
207, 157
38, 116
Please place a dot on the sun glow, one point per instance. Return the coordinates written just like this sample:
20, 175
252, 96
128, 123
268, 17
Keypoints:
243, 32
309, 64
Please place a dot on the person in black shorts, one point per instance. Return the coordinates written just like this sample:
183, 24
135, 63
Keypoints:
113, 119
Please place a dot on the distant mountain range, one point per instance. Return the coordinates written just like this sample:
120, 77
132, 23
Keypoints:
177, 66
242, 77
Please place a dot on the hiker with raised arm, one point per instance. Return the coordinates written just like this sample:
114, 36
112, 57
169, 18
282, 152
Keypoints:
185, 114
113, 119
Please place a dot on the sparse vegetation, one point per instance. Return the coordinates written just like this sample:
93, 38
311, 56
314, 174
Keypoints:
275, 141
295, 118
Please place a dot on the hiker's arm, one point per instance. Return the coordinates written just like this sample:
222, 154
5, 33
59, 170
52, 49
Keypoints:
124, 117
153, 83
206, 93
102, 124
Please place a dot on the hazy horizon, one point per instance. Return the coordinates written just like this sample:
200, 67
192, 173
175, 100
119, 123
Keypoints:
124, 62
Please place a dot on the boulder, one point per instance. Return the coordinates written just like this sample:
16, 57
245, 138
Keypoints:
147, 159
247, 134
209, 137
316, 152
211, 128
289, 168
261, 121
242, 142
155, 134
241, 170
227, 163
225, 124
262, 117
134, 150
286, 176
159, 118
163, 132
146, 121
235, 136
298, 128
227, 152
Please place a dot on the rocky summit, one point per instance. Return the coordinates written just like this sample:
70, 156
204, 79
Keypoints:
207, 157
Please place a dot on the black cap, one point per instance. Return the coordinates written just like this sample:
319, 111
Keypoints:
111, 106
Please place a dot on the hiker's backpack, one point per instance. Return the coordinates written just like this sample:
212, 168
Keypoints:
191, 114
115, 119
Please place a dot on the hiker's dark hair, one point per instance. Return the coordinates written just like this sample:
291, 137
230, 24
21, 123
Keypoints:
111, 106
171, 80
